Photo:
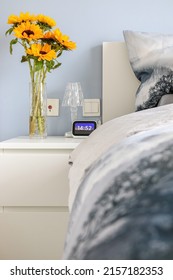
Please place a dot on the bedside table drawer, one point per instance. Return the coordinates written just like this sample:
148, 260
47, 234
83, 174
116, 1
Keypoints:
34, 178
32, 235
34, 197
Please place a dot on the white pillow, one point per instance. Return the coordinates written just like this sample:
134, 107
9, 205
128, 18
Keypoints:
151, 58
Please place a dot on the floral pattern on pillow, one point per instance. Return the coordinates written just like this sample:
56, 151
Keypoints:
151, 58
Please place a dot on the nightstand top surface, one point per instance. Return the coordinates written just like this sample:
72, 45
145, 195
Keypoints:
50, 142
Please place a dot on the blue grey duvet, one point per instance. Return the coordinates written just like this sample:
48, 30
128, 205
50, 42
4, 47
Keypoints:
128, 210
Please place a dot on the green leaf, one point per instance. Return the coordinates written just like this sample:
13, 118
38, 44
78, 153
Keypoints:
49, 65
60, 53
24, 58
38, 65
13, 42
57, 65
9, 31
44, 26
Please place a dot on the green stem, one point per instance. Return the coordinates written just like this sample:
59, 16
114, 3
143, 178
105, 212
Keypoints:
38, 118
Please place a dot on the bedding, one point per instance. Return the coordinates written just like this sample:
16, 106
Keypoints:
122, 207
166, 99
151, 58
111, 133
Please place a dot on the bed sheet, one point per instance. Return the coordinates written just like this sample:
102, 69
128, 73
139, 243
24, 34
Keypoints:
123, 206
112, 133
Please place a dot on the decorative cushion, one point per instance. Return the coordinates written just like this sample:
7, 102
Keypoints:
166, 99
151, 58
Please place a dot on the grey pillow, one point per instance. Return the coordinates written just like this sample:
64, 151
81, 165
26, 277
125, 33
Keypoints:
166, 99
151, 58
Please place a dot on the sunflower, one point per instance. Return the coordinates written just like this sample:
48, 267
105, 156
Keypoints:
22, 17
29, 31
64, 40
49, 35
13, 19
43, 52
42, 48
46, 20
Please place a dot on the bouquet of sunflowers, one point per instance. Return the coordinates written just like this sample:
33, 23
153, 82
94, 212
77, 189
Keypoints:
42, 45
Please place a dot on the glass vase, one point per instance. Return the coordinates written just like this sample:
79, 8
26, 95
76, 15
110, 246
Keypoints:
38, 110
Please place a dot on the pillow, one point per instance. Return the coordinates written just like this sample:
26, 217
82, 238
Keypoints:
151, 58
166, 99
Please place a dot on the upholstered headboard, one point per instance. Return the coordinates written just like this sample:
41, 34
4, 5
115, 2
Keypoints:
119, 82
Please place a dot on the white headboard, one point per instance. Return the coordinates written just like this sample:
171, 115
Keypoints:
119, 82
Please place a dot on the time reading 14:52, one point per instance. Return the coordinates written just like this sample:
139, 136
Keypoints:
84, 127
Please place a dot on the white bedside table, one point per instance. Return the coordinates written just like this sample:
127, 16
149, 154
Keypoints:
34, 196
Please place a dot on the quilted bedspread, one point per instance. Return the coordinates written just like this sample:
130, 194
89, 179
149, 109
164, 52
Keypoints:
128, 211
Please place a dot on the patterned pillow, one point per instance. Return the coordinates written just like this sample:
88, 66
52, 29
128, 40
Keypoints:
151, 58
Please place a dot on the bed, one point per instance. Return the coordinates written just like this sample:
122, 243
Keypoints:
121, 179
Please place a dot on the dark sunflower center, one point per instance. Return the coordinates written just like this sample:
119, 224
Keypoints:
28, 32
42, 52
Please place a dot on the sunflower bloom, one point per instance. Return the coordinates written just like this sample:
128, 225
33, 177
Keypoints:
70, 45
26, 17
29, 31
46, 20
43, 52
64, 40
49, 35
13, 19
43, 47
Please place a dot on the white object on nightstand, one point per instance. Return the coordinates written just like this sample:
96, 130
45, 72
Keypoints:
34, 197
73, 98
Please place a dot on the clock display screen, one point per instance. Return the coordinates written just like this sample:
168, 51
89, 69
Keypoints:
83, 128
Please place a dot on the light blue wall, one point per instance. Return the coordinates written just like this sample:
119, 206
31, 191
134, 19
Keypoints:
89, 23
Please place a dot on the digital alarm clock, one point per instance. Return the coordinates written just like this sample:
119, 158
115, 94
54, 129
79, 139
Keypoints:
83, 128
